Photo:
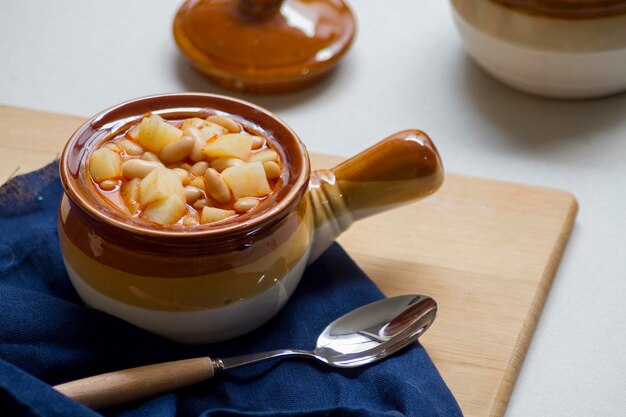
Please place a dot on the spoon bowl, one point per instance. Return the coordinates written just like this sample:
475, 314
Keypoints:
362, 336
376, 330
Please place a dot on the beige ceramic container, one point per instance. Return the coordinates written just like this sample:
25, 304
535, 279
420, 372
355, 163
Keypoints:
214, 282
556, 48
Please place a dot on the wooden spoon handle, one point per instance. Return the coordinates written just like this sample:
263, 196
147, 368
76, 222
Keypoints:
131, 384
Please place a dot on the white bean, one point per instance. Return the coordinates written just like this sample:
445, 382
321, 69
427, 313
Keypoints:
198, 182
225, 122
245, 204
272, 170
257, 142
178, 150
131, 148
199, 168
108, 185
196, 153
216, 186
192, 194
149, 156
203, 202
138, 168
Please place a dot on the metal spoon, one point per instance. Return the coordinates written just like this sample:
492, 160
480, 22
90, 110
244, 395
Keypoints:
362, 336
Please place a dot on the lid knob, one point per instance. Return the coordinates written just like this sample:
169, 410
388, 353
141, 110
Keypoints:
259, 6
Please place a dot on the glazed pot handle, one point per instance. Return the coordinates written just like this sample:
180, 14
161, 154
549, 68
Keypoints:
400, 169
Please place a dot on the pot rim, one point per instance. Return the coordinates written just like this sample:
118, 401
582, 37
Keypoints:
98, 129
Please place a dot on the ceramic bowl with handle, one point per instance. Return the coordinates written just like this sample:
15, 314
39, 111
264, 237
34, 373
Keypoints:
214, 282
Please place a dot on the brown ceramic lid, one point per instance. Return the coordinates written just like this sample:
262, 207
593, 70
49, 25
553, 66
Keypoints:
264, 46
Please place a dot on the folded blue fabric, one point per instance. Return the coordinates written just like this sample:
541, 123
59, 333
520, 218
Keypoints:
48, 336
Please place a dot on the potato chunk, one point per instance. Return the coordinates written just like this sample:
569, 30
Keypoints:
247, 180
155, 133
195, 122
160, 184
105, 164
235, 145
130, 195
213, 214
165, 212
210, 130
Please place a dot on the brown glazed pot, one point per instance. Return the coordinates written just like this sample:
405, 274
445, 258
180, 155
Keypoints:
214, 282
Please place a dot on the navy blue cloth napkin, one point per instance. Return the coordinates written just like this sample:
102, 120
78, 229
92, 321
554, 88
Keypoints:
48, 336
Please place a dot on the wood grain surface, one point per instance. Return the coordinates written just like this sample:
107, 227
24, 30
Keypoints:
486, 250
127, 385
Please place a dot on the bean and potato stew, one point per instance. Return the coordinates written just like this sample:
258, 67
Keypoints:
185, 172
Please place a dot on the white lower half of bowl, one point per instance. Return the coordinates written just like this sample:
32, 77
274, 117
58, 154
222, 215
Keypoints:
567, 75
204, 326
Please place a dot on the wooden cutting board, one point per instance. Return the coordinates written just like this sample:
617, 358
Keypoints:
486, 250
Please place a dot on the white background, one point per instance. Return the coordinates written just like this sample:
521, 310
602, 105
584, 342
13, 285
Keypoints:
407, 69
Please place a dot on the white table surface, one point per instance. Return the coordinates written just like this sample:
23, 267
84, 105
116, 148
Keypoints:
406, 69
